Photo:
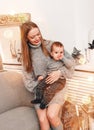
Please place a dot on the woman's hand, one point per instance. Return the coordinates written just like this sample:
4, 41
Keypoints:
53, 76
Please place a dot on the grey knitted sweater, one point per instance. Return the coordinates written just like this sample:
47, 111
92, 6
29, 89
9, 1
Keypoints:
40, 63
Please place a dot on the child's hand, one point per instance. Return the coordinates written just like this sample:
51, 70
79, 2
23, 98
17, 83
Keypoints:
40, 78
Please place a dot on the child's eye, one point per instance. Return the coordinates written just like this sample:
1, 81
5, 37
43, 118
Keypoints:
61, 52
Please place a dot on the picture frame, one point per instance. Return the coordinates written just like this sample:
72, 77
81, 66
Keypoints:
10, 39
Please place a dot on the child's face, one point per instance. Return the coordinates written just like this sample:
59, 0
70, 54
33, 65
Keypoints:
57, 53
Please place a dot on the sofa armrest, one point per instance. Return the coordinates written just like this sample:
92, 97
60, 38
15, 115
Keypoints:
12, 91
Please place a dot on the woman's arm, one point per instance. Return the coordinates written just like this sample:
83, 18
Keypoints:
29, 81
68, 60
63, 71
67, 72
69, 65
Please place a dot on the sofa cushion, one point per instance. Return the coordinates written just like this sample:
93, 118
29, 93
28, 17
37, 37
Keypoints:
20, 118
12, 91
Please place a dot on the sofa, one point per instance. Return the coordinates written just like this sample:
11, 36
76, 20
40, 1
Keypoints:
16, 111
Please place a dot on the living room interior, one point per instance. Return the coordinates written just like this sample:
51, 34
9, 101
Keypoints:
70, 22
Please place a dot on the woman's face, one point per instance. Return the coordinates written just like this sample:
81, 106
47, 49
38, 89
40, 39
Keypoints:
34, 36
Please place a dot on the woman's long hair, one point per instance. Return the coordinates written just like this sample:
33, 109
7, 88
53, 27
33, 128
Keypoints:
26, 55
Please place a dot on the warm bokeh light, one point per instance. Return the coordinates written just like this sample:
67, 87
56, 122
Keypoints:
86, 99
90, 78
82, 60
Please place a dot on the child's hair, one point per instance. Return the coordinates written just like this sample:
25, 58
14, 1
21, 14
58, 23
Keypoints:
57, 44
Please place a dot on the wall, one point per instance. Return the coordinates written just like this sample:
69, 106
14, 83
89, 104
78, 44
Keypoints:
84, 22
63, 20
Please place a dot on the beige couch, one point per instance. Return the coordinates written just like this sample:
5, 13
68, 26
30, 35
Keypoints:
16, 111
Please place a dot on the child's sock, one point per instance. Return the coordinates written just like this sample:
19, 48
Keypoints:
35, 101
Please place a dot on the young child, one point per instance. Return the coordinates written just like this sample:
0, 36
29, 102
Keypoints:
45, 92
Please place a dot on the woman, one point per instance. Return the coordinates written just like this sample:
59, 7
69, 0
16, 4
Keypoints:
35, 57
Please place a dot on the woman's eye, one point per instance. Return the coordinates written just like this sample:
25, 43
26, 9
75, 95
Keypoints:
39, 35
31, 37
